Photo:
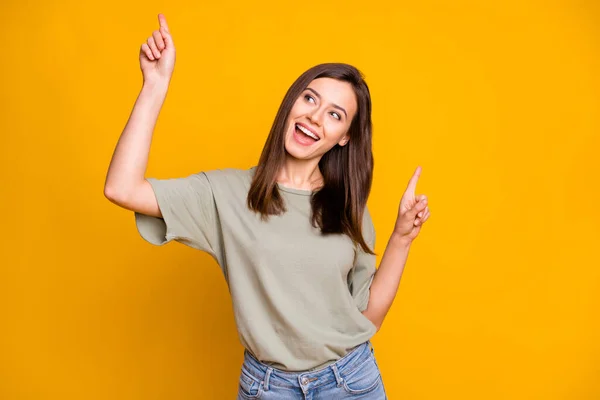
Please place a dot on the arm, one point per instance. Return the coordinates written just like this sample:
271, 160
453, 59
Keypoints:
412, 214
387, 279
125, 183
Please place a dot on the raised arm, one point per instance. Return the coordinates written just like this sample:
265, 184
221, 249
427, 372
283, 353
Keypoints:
125, 183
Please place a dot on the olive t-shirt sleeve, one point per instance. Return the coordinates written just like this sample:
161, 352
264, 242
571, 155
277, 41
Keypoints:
189, 215
363, 271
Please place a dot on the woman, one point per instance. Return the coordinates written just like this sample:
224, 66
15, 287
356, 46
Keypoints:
292, 236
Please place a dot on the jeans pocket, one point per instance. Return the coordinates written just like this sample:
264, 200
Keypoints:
362, 380
250, 387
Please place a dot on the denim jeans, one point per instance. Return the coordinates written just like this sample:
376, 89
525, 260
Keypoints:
354, 376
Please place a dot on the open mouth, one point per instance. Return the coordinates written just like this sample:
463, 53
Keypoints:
306, 132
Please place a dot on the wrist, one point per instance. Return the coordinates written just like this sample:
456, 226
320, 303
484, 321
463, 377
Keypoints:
158, 84
400, 241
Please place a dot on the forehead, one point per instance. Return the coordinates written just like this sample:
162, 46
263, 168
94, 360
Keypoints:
336, 92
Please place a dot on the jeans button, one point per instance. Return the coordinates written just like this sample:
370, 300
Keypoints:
304, 381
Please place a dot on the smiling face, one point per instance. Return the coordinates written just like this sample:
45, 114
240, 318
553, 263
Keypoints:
320, 118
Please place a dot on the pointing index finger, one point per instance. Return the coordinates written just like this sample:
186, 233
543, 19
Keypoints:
412, 184
162, 21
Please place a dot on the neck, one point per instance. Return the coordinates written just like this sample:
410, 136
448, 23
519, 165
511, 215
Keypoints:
300, 174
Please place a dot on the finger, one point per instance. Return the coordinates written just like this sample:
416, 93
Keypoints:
420, 214
420, 198
421, 221
153, 47
412, 184
162, 21
158, 39
425, 217
147, 52
166, 37
417, 208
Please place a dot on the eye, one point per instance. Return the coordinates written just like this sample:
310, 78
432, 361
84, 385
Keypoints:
336, 115
308, 97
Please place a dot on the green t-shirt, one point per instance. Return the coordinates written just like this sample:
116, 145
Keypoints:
297, 295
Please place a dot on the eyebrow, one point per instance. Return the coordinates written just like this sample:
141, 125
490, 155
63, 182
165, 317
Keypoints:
335, 105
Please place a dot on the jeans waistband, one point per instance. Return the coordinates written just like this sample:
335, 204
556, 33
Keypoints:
308, 379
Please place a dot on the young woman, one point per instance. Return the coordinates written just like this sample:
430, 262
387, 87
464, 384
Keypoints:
292, 235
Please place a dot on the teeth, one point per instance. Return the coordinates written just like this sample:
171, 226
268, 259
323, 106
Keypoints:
309, 133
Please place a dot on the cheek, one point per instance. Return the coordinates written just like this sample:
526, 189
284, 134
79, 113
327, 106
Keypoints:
294, 113
299, 108
336, 130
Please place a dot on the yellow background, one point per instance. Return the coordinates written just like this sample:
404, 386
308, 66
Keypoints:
498, 103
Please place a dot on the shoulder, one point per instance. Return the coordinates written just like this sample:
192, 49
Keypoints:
234, 180
230, 175
367, 220
368, 228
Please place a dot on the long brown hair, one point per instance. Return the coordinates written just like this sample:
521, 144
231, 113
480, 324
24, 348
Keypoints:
339, 205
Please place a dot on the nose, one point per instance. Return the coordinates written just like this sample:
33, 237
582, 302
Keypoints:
315, 116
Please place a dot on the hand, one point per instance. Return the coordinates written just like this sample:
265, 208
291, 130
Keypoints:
157, 55
413, 211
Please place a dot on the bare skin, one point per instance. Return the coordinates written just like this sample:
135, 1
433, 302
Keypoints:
125, 183
325, 109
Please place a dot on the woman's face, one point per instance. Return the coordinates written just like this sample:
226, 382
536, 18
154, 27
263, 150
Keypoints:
320, 118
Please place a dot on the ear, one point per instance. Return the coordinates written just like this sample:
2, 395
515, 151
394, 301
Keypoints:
344, 140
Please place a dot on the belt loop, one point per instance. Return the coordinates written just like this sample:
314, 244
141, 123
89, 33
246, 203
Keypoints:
267, 376
338, 378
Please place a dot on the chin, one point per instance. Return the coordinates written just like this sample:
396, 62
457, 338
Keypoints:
293, 149
296, 153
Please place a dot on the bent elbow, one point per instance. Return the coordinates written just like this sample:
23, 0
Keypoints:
113, 195
110, 193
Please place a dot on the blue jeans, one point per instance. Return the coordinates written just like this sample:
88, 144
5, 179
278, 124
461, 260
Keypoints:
354, 376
